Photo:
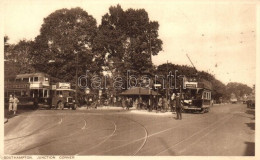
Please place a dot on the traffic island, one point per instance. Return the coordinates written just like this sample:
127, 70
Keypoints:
156, 113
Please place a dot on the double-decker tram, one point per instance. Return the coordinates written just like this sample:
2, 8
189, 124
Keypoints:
196, 95
27, 87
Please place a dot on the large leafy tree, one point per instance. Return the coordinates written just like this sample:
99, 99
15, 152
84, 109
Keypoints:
65, 41
16, 57
238, 89
128, 38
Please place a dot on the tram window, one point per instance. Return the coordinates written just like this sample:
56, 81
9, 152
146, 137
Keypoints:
18, 80
45, 93
41, 79
40, 93
35, 79
204, 95
59, 93
25, 79
31, 93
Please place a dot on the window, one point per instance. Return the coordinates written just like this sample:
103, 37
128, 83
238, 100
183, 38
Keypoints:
59, 93
25, 79
35, 79
18, 80
41, 79
45, 93
31, 93
40, 93
205, 95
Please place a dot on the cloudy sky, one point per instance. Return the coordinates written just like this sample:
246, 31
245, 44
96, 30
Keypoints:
219, 37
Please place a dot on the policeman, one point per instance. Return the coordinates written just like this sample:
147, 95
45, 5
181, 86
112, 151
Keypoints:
178, 106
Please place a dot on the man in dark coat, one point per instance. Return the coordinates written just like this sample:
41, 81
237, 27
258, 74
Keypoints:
178, 106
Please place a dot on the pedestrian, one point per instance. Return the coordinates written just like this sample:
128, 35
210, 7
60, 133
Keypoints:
172, 102
36, 101
135, 103
178, 106
154, 103
11, 101
129, 101
160, 103
165, 104
15, 103
123, 103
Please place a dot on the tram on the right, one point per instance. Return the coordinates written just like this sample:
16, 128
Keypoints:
196, 95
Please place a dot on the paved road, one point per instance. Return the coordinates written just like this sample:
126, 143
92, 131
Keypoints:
228, 130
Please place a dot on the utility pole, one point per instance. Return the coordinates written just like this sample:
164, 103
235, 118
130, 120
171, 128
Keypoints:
77, 61
191, 62
150, 87
167, 91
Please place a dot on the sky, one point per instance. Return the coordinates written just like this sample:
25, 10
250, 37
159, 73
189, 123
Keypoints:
219, 37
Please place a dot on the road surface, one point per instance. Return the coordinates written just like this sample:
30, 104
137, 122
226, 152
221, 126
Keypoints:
227, 130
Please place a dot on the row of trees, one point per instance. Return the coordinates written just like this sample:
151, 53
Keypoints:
71, 37
219, 89
70, 41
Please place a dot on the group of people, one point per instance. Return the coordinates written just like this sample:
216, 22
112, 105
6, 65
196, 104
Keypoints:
13, 102
174, 103
127, 103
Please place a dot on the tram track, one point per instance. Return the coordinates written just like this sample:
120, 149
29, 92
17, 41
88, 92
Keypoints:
145, 138
196, 133
65, 136
115, 128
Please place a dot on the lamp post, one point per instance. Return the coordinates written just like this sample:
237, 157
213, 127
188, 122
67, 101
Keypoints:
76, 93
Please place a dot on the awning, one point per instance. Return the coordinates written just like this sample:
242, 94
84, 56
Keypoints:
139, 91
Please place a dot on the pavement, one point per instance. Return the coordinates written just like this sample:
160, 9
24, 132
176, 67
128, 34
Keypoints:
227, 130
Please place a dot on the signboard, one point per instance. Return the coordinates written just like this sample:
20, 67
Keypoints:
191, 84
53, 87
36, 85
157, 85
17, 86
62, 85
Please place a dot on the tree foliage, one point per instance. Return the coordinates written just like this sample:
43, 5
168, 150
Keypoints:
128, 37
17, 59
218, 88
238, 89
64, 35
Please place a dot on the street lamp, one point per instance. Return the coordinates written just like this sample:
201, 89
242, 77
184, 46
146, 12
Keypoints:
76, 93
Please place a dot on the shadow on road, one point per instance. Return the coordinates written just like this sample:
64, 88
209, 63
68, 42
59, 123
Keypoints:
250, 149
